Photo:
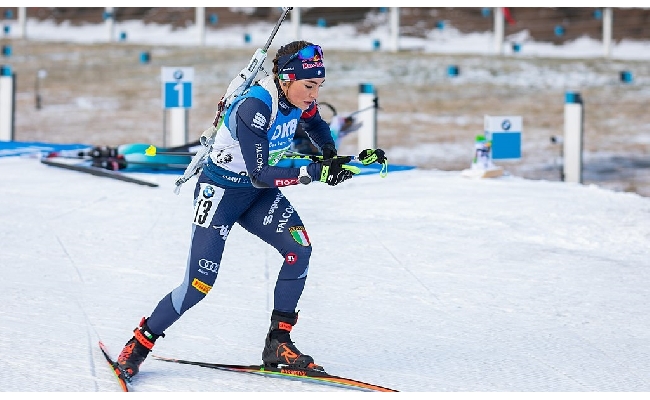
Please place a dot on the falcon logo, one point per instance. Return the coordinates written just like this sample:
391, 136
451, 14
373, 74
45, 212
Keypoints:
285, 218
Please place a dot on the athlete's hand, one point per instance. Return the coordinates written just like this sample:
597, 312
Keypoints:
370, 156
329, 151
333, 170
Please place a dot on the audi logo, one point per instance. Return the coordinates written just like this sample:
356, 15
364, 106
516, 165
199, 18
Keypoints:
209, 265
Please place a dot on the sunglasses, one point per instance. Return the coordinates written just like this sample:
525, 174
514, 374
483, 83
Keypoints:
308, 53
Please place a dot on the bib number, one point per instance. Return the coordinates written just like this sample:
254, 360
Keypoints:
205, 205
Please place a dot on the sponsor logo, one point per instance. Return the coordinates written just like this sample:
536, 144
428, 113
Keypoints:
269, 217
286, 182
201, 286
288, 371
285, 218
259, 157
285, 130
208, 266
235, 179
223, 230
259, 121
222, 158
208, 192
291, 258
283, 104
307, 65
276, 155
299, 234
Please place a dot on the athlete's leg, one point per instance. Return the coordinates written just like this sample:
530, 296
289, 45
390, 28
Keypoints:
273, 219
215, 211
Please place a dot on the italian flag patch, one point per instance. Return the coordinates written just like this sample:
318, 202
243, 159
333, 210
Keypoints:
300, 235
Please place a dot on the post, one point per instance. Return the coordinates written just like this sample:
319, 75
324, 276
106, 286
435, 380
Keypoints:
573, 121
607, 31
394, 29
109, 20
40, 75
177, 127
498, 30
177, 98
367, 116
295, 22
200, 24
7, 103
22, 22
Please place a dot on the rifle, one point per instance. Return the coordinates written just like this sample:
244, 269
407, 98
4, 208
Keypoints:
236, 87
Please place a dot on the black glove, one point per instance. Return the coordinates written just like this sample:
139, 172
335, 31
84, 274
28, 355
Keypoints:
333, 171
329, 151
370, 156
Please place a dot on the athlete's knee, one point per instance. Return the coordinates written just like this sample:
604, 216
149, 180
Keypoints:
298, 255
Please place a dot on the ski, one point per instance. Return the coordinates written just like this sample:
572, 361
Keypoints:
118, 374
314, 376
89, 169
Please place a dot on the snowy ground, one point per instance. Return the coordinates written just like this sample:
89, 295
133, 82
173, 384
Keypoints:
424, 281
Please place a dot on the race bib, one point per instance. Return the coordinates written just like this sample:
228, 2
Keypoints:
205, 204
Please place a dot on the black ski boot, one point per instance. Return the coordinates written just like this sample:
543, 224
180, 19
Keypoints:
279, 349
136, 350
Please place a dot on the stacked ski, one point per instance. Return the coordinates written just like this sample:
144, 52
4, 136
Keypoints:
76, 165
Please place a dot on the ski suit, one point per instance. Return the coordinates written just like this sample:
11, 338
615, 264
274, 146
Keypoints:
240, 184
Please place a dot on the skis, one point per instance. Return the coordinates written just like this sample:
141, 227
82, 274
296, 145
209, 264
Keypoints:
66, 164
114, 368
319, 377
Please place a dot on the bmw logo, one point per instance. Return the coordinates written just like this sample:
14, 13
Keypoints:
208, 192
178, 74
505, 125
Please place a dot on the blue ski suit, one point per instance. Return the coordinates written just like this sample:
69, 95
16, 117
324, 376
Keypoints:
240, 184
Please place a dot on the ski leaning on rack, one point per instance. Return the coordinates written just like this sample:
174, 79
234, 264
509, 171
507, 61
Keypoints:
114, 368
61, 162
312, 376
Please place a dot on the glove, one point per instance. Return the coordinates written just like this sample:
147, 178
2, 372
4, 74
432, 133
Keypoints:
333, 171
329, 151
370, 156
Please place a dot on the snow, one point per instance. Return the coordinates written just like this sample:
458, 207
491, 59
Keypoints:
423, 281
344, 37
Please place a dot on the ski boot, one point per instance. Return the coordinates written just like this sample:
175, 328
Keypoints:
278, 347
136, 350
